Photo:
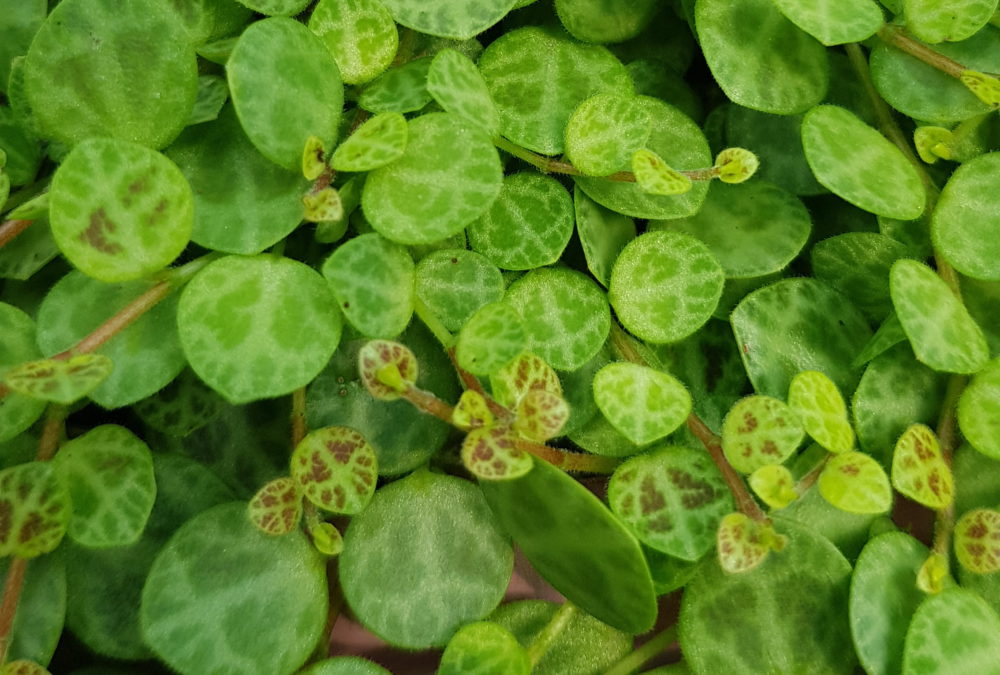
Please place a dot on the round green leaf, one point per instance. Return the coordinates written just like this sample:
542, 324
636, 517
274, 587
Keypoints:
104, 68
280, 54
960, 226
109, 472
760, 431
401, 89
672, 499
786, 615
604, 573
605, 21
943, 334
555, 74
454, 283
276, 7
528, 225
979, 410
458, 19
512, 383
17, 412
834, 22
335, 469
423, 559
603, 234
933, 21
36, 508
953, 631
565, 315
884, 595
223, 595
491, 453
759, 58
490, 339
146, 355
345, 665
642, 403
360, 34
372, 279
458, 87
819, 406
976, 535
919, 470
119, 211
448, 176
679, 142
604, 131
665, 286
277, 507
62, 381
752, 229
243, 202
795, 325
860, 165
257, 327
484, 648
379, 141
857, 264
854, 482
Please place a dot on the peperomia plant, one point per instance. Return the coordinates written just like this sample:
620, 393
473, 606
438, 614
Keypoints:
682, 314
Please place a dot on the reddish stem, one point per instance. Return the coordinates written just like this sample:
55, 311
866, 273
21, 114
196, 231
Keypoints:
429, 403
299, 428
897, 37
11, 228
569, 461
8, 606
470, 381
52, 432
744, 501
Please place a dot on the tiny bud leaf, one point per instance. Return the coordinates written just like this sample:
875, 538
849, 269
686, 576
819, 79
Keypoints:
471, 411
326, 538
775, 485
323, 206
654, 176
373, 359
933, 574
736, 165
313, 162
933, 143
23, 667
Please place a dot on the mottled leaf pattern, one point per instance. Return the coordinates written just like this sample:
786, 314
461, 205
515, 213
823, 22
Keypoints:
379, 141
277, 507
541, 415
979, 410
512, 383
816, 401
960, 225
856, 483
35, 510
759, 431
642, 403
834, 22
454, 283
360, 34
654, 177
919, 470
456, 84
64, 381
491, 453
977, 541
775, 484
741, 543
604, 131
382, 361
335, 468
491, 337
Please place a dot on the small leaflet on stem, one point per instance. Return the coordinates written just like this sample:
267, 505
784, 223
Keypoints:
977, 541
59, 381
654, 176
736, 165
313, 158
933, 143
323, 206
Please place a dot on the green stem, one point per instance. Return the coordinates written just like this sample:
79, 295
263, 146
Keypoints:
967, 127
548, 635
299, 427
808, 480
635, 660
947, 433
470, 381
10, 229
898, 38
433, 323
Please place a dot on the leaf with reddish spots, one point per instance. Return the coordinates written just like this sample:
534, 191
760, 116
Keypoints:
919, 470
23, 667
491, 453
774, 484
386, 368
742, 544
541, 415
977, 541
471, 411
62, 382
336, 469
34, 510
759, 431
526, 372
277, 507
856, 483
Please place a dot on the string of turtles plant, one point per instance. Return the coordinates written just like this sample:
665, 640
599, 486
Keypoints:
311, 311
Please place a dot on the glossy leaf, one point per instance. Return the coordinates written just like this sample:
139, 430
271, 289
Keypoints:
919, 470
854, 482
642, 403
665, 286
977, 541
218, 580
960, 225
932, 22
36, 508
77, 91
759, 431
565, 315
604, 132
491, 453
282, 53
424, 558
455, 283
954, 630
360, 34
458, 19
860, 165
751, 230
544, 66
243, 321
372, 279
603, 234
527, 226
447, 177
17, 412
62, 382
379, 141
774, 484
484, 648
834, 22
109, 473
672, 499
816, 402
135, 223
604, 573
385, 367
335, 468
456, 84
979, 411
942, 333
277, 507
742, 42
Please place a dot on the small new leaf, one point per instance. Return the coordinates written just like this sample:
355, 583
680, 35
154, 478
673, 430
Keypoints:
377, 142
471, 411
919, 470
61, 382
985, 87
654, 176
820, 408
277, 507
374, 359
933, 574
323, 206
774, 484
491, 453
526, 372
313, 158
760, 430
736, 165
977, 541
336, 469
856, 483
327, 539
34, 510
933, 143
743, 544
541, 415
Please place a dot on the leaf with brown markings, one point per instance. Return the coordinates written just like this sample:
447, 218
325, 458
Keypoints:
386, 368
491, 453
277, 507
34, 510
919, 470
336, 469
58, 381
